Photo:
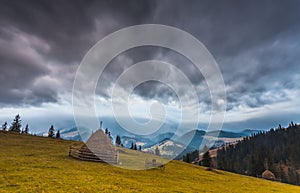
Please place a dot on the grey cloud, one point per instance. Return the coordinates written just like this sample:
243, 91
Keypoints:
269, 67
229, 27
237, 33
20, 66
68, 28
241, 35
153, 89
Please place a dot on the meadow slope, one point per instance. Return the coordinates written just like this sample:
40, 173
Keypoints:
37, 164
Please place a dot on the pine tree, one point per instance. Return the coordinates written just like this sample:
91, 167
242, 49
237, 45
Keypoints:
206, 159
51, 131
16, 124
140, 148
187, 158
118, 140
131, 146
282, 174
26, 130
134, 147
4, 126
57, 134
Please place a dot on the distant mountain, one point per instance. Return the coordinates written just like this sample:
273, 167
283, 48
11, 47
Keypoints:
167, 148
225, 134
146, 142
127, 141
159, 138
70, 134
249, 132
116, 129
192, 140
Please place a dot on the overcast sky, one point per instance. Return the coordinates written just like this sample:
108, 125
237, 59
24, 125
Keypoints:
255, 43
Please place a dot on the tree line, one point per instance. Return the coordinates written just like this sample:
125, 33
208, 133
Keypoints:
118, 141
193, 157
16, 127
133, 145
277, 150
52, 134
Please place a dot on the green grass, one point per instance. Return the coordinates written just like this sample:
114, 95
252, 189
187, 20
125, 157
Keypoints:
37, 164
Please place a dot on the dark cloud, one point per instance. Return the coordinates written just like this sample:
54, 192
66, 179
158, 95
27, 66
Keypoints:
255, 44
150, 89
21, 65
67, 28
229, 27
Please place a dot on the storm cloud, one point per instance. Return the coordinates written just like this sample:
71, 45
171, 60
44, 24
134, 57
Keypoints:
255, 43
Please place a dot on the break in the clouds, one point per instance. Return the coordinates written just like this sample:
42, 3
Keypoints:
255, 43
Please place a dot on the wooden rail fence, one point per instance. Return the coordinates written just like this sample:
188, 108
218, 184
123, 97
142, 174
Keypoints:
83, 153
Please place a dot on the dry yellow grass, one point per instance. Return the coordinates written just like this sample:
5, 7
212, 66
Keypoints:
37, 164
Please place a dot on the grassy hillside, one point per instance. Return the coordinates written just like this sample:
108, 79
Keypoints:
37, 164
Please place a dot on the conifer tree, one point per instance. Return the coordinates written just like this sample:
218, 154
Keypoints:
187, 158
206, 159
26, 130
16, 124
57, 134
4, 126
51, 131
118, 140
134, 147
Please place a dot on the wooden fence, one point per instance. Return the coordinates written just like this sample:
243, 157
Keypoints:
83, 153
154, 164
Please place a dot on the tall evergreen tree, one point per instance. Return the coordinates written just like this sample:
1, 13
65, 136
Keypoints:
110, 137
4, 126
51, 131
134, 147
118, 140
57, 134
16, 124
187, 158
26, 130
206, 159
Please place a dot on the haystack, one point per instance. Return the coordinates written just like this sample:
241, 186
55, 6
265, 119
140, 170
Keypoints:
98, 148
268, 175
